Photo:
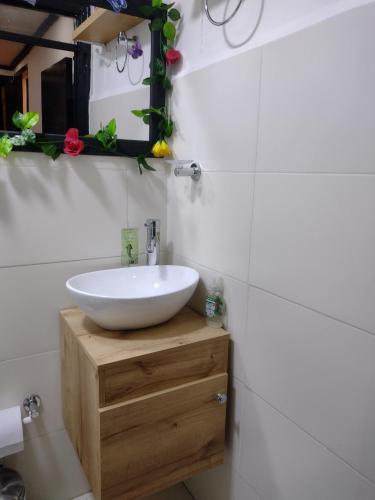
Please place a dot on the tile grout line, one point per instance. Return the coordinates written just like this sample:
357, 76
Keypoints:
269, 172
253, 172
237, 458
52, 263
237, 172
316, 311
209, 268
245, 480
59, 262
268, 403
269, 292
127, 206
355, 174
256, 164
19, 358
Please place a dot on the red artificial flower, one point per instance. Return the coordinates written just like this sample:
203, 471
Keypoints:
73, 146
172, 56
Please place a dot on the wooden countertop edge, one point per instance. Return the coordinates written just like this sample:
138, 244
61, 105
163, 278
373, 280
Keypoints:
104, 365
218, 334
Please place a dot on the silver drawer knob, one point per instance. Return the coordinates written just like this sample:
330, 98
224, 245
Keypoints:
221, 398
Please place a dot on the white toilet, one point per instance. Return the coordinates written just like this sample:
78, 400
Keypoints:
11, 485
11, 441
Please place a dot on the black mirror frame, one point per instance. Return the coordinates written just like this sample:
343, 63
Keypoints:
82, 66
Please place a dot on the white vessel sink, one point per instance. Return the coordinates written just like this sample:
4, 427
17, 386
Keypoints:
133, 297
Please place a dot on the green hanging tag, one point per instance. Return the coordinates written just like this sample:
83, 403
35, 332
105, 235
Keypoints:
129, 246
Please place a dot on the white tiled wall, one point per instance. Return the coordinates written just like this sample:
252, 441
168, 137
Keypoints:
314, 242
298, 126
57, 220
48, 211
285, 213
219, 143
201, 220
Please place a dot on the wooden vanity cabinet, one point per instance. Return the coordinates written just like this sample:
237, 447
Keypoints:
142, 407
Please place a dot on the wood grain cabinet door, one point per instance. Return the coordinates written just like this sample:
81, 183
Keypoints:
154, 441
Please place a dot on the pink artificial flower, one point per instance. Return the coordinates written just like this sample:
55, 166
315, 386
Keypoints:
172, 56
73, 146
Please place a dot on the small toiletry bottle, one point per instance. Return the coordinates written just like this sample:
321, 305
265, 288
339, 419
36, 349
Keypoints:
215, 307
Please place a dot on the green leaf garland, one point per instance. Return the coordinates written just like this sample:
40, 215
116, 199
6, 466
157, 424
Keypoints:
25, 121
6, 146
169, 31
163, 18
107, 135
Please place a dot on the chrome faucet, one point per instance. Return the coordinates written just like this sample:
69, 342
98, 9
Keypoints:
153, 241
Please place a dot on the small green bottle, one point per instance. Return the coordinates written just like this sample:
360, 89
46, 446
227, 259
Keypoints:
215, 306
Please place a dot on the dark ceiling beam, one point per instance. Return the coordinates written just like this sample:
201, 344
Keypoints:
72, 8
58, 7
34, 40
5, 67
40, 32
132, 8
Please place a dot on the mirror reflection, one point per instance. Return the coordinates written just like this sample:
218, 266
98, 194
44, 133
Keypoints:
44, 78
117, 72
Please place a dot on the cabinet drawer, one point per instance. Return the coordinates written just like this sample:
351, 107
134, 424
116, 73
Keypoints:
152, 442
161, 370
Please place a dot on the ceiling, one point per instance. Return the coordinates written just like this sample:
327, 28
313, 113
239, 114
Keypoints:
19, 20
14, 19
20, 17
61, 7
9, 51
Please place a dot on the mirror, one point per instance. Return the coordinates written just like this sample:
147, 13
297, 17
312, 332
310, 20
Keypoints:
78, 65
34, 77
117, 72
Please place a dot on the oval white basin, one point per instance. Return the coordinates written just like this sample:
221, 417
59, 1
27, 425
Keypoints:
133, 297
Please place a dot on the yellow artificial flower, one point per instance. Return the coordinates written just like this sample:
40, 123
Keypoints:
161, 149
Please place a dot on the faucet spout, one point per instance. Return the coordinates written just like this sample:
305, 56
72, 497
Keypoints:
153, 241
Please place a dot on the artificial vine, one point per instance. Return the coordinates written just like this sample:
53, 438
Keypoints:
104, 140
164, 18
